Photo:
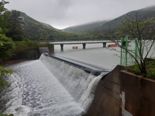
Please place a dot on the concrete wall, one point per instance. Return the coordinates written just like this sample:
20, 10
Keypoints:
107, 99
139, 94
123, 94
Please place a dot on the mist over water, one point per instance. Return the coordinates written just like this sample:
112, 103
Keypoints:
48, 87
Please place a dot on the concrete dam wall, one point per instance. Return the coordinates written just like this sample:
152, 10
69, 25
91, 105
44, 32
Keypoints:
50, 87
56, 87
107, 100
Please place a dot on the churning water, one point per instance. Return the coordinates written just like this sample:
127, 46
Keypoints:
49, 87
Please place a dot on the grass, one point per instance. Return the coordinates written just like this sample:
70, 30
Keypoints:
150, 67
6, 114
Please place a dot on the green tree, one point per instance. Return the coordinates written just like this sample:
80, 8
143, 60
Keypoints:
143, 30
6, 44
4, 21
4, 15
15, 28
6, 47
2, 8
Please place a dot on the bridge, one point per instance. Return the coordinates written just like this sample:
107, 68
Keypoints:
62, 43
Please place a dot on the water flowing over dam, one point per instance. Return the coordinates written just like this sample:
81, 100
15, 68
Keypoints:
49, 87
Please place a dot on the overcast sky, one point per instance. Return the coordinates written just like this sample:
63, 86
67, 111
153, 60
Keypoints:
64, 13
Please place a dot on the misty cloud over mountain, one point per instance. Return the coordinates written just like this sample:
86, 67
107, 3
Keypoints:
63, 13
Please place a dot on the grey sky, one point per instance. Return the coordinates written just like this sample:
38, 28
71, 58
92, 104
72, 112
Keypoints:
64, 13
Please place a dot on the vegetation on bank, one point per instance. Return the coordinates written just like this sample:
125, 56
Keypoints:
6, 114
26, 50
142, 32
13, 45
150, 67
6, 47
3, 73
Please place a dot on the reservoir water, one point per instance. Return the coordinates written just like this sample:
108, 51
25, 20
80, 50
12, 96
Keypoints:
94, 54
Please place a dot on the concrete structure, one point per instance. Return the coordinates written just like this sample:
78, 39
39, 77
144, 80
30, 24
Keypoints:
44, 50
51, 44
84, 66
139, 94
107, 100
121, 93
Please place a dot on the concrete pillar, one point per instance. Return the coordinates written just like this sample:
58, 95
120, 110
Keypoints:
51, 49
104, 44
84, 45
62, 47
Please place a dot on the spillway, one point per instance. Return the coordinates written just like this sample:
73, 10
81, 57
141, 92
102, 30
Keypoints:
49, 87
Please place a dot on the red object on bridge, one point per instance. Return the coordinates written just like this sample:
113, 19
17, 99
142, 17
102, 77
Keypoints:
113, 45
75, 47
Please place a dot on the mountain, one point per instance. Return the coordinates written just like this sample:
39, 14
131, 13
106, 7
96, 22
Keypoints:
35, 30
29, 28
141, 14
113, 25
89, 27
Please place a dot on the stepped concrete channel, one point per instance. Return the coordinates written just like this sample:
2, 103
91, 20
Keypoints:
52, 86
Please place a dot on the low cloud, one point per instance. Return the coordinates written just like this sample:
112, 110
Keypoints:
63, 13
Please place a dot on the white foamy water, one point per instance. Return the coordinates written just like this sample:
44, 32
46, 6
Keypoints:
48, 87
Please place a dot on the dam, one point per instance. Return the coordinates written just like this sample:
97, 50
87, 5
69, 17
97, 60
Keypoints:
50, 87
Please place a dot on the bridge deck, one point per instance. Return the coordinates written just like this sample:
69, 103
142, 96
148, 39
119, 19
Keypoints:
79, 42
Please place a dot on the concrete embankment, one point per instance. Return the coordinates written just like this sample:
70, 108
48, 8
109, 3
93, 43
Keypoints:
107, 99
121, 93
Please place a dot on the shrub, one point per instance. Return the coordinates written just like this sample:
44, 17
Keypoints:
6, 114
150, 67
26, 49
6, 47
3, 72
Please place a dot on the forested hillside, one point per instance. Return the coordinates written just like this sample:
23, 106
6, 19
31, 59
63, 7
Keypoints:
85, 28
110, 27
22, 26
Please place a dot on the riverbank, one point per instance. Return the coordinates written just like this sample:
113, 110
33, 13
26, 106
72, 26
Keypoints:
3, 86
6, 114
